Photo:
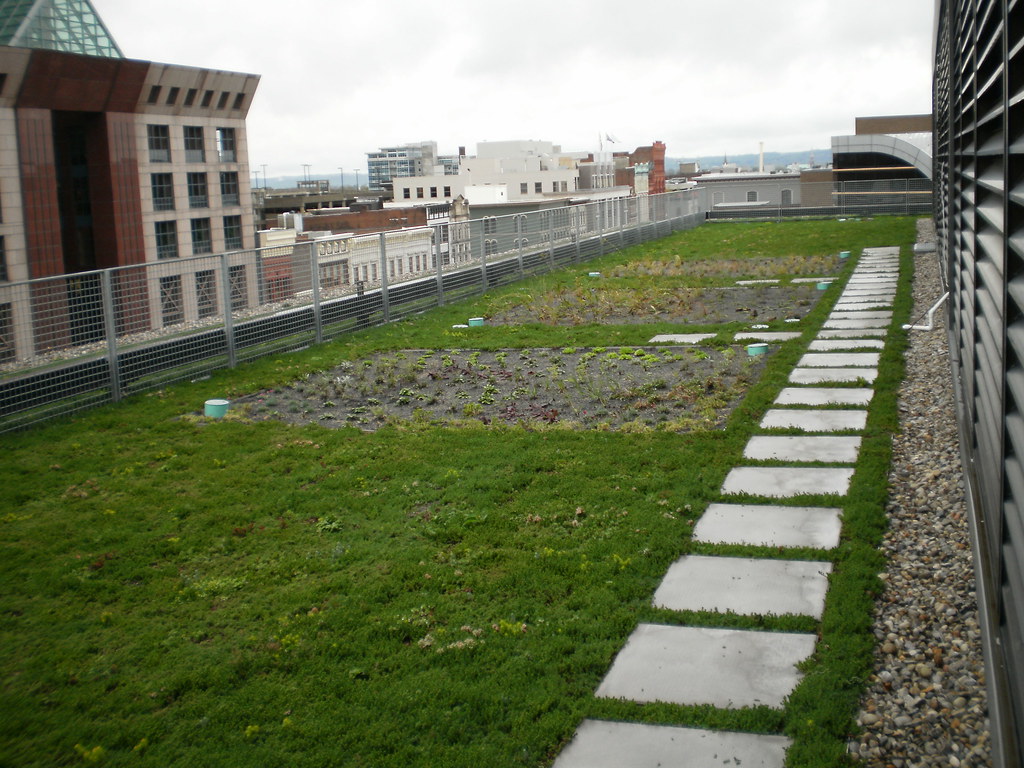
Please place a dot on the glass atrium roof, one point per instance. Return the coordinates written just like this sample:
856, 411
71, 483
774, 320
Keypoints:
72, 26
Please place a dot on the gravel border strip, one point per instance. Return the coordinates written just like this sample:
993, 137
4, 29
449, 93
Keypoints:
926, 701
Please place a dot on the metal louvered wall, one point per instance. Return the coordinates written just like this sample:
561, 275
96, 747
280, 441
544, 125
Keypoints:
979, 212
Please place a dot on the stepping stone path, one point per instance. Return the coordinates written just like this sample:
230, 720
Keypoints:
732, 668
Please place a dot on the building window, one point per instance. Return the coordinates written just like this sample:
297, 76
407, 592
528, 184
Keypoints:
239, 100
202, 238
433, 191
752, 196
190, 96
162, 185
238, 285
223, 100
6, 332
166, 239
538, 187
490, 225
226, 145
159, 143
4, 277
419, 191
207, 98
154, 95
194, 150
447, 191
229, 188
787, 197
206, 292
198, 194
172, 95
406, 193
172, 308
554, 186
523, 188
233, 232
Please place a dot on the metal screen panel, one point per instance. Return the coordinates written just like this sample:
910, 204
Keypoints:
979, 193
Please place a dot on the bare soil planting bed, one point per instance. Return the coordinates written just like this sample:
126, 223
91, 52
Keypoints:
606, 302
620, 388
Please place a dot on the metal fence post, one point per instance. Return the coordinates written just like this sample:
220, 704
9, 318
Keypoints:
600, 227
576, 235
229, 320
110, 327
551, 240
438, 256
519, 240
385, 304
314, 282
483, 256
621, 212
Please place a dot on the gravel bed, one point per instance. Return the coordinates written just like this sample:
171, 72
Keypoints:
926, 701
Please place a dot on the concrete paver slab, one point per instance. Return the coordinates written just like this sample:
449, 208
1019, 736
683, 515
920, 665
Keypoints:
747, 586
605, 744
850, 324
786, 482
727, 668
814, 421
850, 333
757, 282
769, 525
830, 345
824, 396
860, 314
681, 338
832, 375
838, 360
825, 448
766, 336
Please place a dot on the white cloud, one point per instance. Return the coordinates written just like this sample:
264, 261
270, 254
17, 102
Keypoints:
340, 78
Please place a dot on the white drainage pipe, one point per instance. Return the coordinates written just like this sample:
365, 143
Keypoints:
931, 316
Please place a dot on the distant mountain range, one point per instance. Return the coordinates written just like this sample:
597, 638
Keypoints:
803, 157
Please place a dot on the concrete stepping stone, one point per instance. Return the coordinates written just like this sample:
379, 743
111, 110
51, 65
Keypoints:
769, 525
785, 482
767, 335
853, 324
830, 345
863, 305
832, 375
798, 280
605, 744
757, 282
850, 333
839, 360
824, 396
681, 338
860, 314
747, 586
814, 421
728, 668
802, 448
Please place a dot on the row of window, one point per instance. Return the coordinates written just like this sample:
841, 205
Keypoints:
194, 144
407, 192
538, 187
202, 236
191, 94
162, 185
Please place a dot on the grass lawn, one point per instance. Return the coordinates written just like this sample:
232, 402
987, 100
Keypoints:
183, 591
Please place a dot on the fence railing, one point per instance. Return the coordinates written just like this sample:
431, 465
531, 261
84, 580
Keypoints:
759, 199
78, 340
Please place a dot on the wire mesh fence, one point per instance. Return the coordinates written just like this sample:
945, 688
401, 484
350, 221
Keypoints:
75, 341
766, 198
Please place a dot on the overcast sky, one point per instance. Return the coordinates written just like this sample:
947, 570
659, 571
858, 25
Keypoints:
708, 77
